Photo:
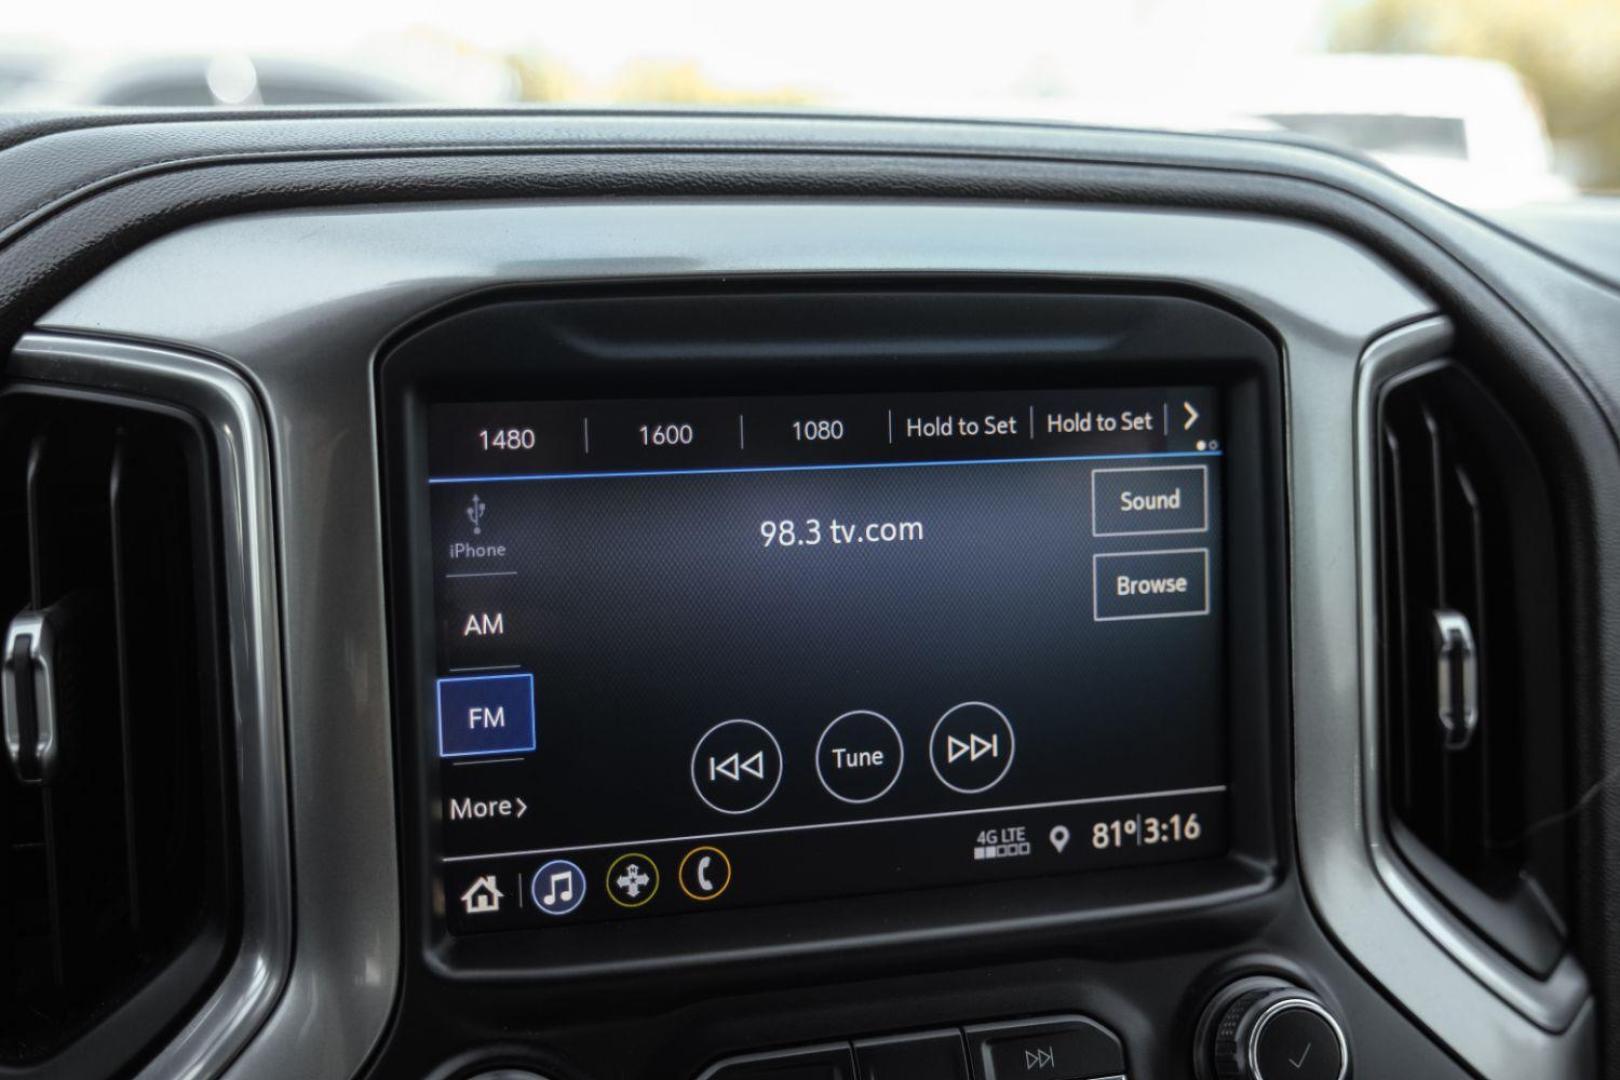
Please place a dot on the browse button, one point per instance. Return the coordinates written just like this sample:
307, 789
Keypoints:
1150, 584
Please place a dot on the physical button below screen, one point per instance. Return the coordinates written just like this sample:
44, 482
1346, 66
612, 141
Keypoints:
1077, 1049
1298, 1044
921, 1055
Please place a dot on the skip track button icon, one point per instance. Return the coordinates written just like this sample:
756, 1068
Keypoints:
971, 747
1041, 1058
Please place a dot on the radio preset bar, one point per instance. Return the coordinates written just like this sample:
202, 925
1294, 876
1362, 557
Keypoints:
542, 439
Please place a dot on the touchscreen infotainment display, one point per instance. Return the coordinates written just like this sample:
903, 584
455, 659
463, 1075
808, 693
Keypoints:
699, 653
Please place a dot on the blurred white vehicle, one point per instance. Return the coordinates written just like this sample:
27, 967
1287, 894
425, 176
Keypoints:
1465, 129
196, 80
227, 79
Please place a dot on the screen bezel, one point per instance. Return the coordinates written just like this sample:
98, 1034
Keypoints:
656, 339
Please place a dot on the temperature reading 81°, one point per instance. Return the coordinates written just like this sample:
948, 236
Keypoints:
1145, 830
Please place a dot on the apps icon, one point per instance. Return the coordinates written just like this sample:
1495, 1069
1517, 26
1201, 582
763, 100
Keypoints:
632, 880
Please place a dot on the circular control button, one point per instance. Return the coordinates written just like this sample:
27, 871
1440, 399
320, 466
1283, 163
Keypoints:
971, 748
558, 887
1295, 1040
859, 756
736, 767
632, 880
1265, 1028
705, 873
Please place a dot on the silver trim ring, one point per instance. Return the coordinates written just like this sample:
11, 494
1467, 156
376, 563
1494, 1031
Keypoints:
1253, 1046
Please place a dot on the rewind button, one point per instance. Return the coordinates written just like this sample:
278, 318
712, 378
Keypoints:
736, 767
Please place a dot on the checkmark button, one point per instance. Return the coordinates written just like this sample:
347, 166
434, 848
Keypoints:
1297, 1044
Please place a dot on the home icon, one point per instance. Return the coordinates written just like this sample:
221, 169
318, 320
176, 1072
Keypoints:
482, 896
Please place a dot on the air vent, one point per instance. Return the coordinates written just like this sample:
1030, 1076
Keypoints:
1473, 712
116, 888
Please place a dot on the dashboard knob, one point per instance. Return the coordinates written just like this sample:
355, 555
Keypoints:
1266, 1029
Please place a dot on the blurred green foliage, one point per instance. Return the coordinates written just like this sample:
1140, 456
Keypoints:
1567, 52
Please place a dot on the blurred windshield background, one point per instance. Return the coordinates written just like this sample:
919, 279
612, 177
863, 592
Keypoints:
1505, 106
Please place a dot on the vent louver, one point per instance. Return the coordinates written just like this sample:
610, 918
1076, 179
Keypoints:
116, 886
1473, 714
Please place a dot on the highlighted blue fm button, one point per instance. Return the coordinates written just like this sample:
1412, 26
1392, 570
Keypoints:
486, 714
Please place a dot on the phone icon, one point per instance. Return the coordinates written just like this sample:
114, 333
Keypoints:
705, 873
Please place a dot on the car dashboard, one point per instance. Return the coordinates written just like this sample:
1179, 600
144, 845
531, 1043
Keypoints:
728, 596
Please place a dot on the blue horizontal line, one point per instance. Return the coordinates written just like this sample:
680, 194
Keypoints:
812, 468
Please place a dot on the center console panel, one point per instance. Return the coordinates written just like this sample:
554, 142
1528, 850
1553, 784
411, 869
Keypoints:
1013, 549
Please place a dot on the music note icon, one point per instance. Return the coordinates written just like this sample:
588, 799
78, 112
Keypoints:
563, 884
566, 880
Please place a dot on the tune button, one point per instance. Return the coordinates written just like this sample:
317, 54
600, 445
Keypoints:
736, 767
971, 747
859, 756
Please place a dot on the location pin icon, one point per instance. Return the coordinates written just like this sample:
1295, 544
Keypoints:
1059, 837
